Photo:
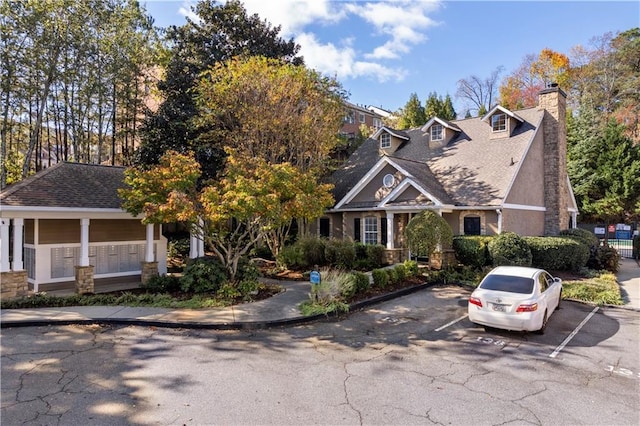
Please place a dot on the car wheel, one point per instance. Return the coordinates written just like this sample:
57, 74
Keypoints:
544, 324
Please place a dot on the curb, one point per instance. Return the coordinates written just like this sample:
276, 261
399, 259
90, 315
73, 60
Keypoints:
250, 325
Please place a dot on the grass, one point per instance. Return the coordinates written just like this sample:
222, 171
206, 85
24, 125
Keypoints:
600, 288
139, 298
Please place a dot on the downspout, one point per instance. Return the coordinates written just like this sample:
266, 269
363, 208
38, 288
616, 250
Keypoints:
499, 211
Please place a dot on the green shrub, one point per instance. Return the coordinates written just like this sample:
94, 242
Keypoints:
340, 254
313, 251
357, 282
228, 291
411, 267
605, 258
162, 284
361, 250
247, 270
376, 255
380, 278
588, 238
203, 275
393, 275
558, 253
401, 272
509, 248
291, 257
472, 250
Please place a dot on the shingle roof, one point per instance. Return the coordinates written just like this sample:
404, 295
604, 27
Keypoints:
68, 185
472, 170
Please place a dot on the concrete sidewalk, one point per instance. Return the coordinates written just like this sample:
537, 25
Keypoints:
629, 279
279, 310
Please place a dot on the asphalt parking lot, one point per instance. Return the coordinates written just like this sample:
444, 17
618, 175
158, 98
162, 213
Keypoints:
412, 360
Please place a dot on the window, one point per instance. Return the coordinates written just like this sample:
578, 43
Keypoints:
361, 117
377, 123
436, 132
499, 122
371, 230
388, 180
325, 227
356, 230
350, 117
385, 140
471, 225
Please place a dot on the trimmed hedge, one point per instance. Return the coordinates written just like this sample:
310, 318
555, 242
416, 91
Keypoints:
380, 278
590, 239
558, 253
511, 249
472, 250
340, 254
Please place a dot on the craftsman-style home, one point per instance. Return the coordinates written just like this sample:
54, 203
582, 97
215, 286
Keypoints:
505, 171
65, 226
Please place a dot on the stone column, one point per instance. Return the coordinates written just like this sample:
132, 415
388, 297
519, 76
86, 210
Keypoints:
84, 279
14, 284
149, 270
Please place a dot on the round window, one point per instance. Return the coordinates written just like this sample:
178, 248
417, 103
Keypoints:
388, 180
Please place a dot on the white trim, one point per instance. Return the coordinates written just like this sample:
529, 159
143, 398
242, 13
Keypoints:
524, 207
368, 177
502, 109
61, 209
389, 219
18, 229
148, 252
84, 242
4, 245
408, 181
445, 124
574, 203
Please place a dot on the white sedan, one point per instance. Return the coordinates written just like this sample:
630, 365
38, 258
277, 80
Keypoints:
515, 298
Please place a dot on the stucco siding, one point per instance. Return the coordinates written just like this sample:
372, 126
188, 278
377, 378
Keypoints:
528, 187
523, 222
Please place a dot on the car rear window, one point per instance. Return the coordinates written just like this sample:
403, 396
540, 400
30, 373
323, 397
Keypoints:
507, 283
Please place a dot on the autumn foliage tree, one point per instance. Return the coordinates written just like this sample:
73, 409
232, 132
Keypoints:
252, 200
520, 89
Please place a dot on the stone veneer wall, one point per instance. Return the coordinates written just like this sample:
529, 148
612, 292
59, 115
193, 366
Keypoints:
13, 284
149, 269
84, 279
556, 192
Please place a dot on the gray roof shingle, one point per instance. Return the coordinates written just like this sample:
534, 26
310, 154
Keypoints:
68, 185
472, 170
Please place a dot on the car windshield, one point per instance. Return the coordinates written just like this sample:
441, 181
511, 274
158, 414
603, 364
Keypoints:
508, 283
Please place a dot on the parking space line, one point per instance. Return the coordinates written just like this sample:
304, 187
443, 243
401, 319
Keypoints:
451, 323
573, 333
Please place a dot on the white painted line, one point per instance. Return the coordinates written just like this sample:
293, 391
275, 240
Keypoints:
451, 323
573, 333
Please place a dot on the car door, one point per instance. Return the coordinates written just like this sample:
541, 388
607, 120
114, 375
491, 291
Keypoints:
552, 292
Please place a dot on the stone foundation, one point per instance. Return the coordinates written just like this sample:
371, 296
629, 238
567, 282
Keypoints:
440, 260
13, 284
149, 270
84, 279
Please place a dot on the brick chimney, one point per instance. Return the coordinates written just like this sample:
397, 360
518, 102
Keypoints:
554, 103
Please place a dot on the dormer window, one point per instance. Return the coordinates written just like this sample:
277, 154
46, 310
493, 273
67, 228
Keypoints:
385, 140
499, 122
437, 133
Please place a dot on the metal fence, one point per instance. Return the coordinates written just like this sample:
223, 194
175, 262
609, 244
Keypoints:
624, 247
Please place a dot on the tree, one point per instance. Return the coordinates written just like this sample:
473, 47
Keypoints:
222, 32
435, 106
426, 232
520, 89
266, 108
479, 94
412, 114
604, 168
279, 113
251, 200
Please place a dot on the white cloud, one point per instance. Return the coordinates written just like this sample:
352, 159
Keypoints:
294, 15
341, 61
186, 10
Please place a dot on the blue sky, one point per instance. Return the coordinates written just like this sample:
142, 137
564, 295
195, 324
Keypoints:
382, 51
